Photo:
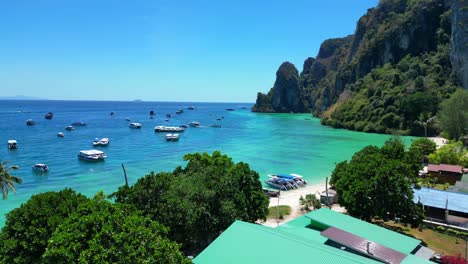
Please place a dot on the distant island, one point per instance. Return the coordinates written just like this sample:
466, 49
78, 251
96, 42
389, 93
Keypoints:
404, 59
21, 97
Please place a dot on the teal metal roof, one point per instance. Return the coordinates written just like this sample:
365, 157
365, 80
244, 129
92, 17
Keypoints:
252, 244
385, 237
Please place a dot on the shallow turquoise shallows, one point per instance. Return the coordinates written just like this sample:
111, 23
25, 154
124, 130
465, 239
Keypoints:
270, 143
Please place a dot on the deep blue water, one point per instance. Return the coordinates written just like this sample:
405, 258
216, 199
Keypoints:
270, 143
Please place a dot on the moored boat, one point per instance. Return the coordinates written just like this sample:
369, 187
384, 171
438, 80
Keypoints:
295, 179
79, 123
168, 129
152, 113
172, 137
41, 168
92, 155
60, 134
49, 115
135, 125
30, 122
194, 124
70, 128
179, 111
12, 144
191, 108
101, 142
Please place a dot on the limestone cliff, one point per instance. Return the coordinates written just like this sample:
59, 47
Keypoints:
459, 54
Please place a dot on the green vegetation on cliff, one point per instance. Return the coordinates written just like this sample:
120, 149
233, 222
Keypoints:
394, 71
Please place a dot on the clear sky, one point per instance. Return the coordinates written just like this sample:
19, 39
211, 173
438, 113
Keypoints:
161, 50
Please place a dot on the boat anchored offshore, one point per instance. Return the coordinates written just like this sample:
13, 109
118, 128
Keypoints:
30, 122
39, 167
135, 125
79, 123
172, 137
12, 144
60, 134
101, 142
285, 181
69, 128
49, 115
194, 124
168, 129
92, 155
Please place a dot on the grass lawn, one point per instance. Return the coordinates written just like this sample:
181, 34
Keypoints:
273, 211
441, 243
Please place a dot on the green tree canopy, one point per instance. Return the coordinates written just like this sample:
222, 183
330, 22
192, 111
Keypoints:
453, 115
377, 183
453, 153
102, 232
199, 201
28, 228
422, 147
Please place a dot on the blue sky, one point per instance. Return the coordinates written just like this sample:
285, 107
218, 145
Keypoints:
166, 50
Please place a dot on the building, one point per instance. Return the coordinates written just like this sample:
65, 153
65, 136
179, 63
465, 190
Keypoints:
443, 206
445, 173
322, 236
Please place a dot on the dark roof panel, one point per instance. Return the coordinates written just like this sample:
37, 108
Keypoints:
367, 247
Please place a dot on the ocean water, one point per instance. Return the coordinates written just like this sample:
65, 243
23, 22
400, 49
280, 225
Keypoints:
270, 143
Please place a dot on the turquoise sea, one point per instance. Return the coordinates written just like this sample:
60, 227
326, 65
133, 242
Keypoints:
270, 143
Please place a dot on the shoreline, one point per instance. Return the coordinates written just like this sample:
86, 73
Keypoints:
291, 199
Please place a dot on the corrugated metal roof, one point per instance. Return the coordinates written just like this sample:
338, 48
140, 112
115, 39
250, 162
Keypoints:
365, 246
252, 244
396, 241
445, 167
454, 201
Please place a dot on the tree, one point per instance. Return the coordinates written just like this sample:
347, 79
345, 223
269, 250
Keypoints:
422, 147
102, 232
377, 183
7, 181
453, 115
453, 153
199, 201
310, 200
28, 228
424, 120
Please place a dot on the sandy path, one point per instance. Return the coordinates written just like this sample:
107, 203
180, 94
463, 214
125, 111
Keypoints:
291, 198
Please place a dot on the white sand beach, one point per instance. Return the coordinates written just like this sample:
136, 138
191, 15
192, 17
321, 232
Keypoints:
291, 198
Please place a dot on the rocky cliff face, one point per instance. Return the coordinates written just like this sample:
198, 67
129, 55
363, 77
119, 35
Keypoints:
286, 91
459, 53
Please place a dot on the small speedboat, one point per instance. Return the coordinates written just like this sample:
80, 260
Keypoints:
172, 137
49, 115
135, 125
112, 113
179, 111
60, 134
79, 124
184, 126
168, 129
39, 167
92, 155
168, 115
127, 119
152, 113
101, 142
191, 108
70, 128
194, 124
12, 144
30, 122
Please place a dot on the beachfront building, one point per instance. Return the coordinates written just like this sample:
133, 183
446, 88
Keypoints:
321, 236
443, 206
445, 173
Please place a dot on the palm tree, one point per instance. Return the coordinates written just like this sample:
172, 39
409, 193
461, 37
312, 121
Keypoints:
7, 181
310, 200
423, 120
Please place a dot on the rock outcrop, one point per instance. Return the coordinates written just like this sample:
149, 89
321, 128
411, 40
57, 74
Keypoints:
459, 53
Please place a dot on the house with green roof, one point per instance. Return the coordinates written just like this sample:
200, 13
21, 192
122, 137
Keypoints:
321, 236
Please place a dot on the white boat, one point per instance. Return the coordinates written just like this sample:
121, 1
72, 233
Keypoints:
39, 167
135, 125
12, 144
92, 155
70, 128
172, 137
60, 134
168, 129
194, 124
101, 142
